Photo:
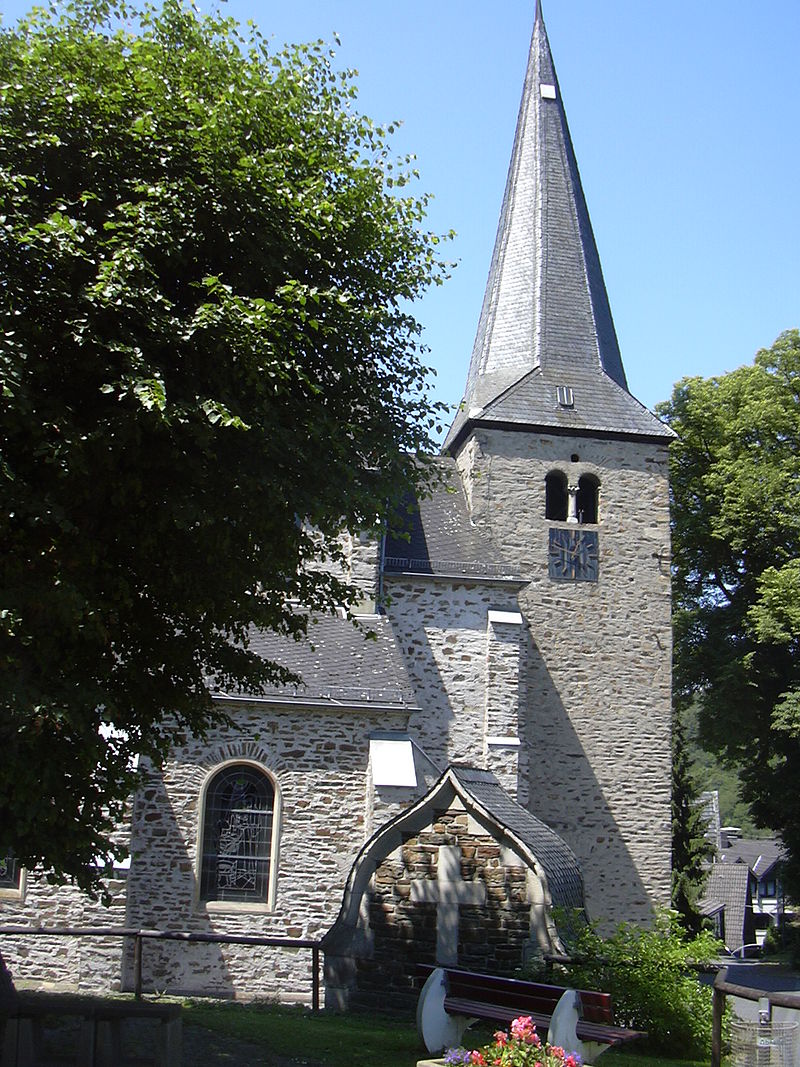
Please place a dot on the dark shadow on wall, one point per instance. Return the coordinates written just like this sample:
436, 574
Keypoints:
161, 896
565, 793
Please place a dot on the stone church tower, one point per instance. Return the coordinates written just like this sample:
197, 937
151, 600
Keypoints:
566, 473
500, 748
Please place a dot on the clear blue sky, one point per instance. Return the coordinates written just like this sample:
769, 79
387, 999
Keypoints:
685, 120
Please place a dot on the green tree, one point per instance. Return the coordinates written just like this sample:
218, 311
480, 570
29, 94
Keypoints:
650, 972
691, 850
209, 369
735, 474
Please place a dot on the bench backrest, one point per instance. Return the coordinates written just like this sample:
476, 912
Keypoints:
526, 997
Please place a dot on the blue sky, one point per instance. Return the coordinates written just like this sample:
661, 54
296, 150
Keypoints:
684, 117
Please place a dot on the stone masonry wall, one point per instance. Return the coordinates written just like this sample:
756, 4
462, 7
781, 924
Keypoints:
442, 630
403, 931
318, 761
64, 963
597, 658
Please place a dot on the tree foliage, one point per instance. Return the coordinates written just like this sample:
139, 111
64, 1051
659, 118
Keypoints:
691, 850
209, 369
735, 474
649, 972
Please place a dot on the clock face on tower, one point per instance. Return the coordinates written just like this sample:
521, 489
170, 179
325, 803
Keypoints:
574, 555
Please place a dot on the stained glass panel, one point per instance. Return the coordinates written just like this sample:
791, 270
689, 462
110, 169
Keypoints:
237, 836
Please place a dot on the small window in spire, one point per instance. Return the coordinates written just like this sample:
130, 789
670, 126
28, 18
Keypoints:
565, 396
548, 92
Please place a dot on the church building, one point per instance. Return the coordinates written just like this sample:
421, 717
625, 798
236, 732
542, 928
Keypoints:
500, 747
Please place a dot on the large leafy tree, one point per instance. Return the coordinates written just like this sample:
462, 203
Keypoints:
736, 549
209, 371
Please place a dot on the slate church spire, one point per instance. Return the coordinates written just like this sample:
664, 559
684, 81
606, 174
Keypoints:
546, 351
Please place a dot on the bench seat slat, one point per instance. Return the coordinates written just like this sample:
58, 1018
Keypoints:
586, 1030
497, 999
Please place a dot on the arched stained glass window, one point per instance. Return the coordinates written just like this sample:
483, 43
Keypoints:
237, 835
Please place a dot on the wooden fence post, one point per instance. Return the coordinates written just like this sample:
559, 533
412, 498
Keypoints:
315, 978
137, 966
717, 1011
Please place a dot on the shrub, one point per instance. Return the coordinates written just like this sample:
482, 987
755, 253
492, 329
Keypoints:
649, 974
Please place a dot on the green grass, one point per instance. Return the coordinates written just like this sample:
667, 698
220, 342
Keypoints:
352, 1040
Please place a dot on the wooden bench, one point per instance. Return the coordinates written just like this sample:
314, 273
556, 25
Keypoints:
466, 996
101, 1019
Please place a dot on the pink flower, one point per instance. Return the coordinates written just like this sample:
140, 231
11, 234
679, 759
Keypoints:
558, 1052
501, 1037
523, 1028
477, 1058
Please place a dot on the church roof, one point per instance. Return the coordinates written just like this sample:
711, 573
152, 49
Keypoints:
553, 854
546, 321
434, 535
338, 663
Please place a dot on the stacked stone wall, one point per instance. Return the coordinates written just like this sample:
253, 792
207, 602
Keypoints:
441, 629
68, 964
318, 761
596, 730
403, 931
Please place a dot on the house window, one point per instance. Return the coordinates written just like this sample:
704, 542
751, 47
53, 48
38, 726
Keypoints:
12, 876
9, 870
238, 815
588, 494
555, 493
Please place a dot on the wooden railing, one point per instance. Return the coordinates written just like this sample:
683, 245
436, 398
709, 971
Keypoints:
140, 936
723, 988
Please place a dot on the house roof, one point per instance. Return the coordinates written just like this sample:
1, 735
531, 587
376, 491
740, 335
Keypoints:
341, 664
435, 535
546, 320
760, 854
728, 886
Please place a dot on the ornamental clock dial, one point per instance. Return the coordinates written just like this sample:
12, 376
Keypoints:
574, 555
